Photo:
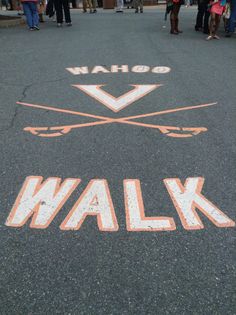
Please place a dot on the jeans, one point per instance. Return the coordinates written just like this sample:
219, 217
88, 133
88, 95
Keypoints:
31, 13
232, 16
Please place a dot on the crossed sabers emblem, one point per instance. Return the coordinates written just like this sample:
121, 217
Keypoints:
170, 131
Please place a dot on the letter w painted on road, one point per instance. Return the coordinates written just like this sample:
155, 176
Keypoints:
117, 103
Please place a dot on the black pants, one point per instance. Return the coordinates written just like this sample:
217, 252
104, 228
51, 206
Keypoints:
59, 4
203, 16
74, 5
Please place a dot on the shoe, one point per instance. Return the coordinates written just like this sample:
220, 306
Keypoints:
91, 11
59, 24
136, 11
69, 24
141, 10
36, 28
177, 27
216, 37
174, 32
198, 29
209, 37
31, 29
95, 11
84, 11
229, 34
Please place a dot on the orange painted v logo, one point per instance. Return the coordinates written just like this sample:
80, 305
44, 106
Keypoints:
117, 103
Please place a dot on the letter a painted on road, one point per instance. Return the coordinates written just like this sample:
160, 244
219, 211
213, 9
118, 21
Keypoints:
117, 103
135, 213
42, 201
188, 197
96, 201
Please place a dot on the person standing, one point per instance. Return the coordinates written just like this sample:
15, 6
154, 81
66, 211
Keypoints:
202, 20
94, 5
91, 4
216, 10
173, 7
138, 4
31, 13
87, 3
60, 6
231, 23
41, 9
120, 6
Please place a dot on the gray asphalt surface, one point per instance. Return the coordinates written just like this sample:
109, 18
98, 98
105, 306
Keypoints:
50, 271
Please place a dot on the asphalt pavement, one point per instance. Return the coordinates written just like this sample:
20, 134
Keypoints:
51, 270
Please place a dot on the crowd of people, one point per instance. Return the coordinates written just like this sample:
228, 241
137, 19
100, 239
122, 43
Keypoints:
208, 17
207, 20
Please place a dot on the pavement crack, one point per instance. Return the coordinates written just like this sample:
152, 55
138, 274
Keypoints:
22, 97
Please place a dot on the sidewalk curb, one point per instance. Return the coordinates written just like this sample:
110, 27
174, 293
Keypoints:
10, 21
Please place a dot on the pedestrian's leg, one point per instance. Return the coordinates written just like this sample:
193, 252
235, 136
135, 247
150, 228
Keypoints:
172, 22
90, 6
41, 10
34, 12
232, 17
177, 19
199, 18
59, 13
66, 8
27, 12
85, 6
206, 20
94, 5
136, 6
211, 26
217, 23
141, 6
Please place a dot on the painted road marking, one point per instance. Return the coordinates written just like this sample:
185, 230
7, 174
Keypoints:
188, 197
42, 201
118, 69
95, 200
135, 212
171, 131
117, 103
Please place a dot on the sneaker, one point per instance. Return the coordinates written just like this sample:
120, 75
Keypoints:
209, 37
69, 24
59, 24
94, 11
31, 29
216, 37
36, 28
141, 10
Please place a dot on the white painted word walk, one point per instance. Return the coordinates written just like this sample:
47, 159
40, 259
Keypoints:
39, 201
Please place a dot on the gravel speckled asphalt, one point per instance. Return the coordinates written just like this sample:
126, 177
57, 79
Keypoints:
51, 271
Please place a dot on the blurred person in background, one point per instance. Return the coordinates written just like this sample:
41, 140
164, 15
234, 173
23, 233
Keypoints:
232, 19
